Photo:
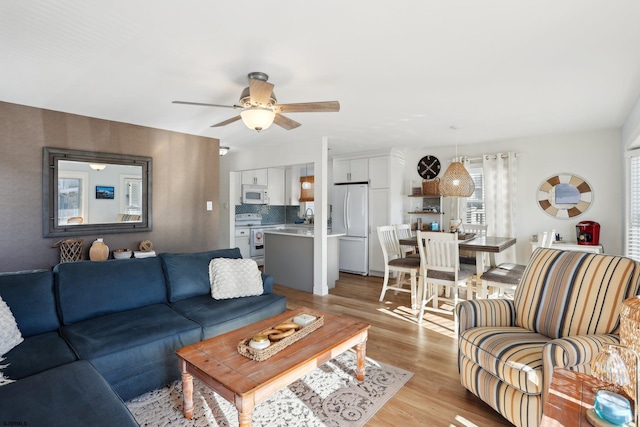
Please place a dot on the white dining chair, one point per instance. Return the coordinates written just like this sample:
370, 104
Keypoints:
403, 231
440, 266
394, 261
469, 257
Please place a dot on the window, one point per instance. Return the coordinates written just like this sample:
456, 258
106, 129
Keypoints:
475, 210
632, 249
131, 199
72, 196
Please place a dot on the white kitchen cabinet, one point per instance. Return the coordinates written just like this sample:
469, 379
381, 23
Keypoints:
255, 177
355, 170
292, 186
379, 172
379, 215
275, 180
242, 241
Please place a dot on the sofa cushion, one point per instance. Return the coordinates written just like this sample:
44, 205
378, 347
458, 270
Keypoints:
229, 314
187, 274
10, 335
564, 293
234, 278
37, 354
134, 350
89, 289
69, 395
514, 355
31, 298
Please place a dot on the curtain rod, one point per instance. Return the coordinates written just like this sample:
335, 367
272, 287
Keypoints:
477, 159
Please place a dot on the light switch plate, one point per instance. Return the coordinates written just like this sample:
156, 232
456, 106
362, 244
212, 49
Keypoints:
209, 205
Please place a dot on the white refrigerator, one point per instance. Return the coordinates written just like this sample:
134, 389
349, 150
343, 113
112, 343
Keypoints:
350, 216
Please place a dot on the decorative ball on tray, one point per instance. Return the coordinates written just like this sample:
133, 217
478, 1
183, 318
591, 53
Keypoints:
146, 245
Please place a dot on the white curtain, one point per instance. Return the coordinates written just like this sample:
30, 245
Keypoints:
500, 183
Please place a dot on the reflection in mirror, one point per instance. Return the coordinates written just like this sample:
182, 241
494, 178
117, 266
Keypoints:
95, 192
566, 194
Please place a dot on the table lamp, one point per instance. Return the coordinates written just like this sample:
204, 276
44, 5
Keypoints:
619, 365
612, 402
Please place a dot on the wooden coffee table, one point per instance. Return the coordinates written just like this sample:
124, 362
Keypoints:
245, 382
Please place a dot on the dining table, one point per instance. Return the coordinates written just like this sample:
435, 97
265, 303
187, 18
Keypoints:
478, 244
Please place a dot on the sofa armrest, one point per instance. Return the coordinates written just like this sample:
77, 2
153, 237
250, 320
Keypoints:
267, 284
574, 353
485, 312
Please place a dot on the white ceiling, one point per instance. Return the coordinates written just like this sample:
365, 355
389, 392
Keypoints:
403, 71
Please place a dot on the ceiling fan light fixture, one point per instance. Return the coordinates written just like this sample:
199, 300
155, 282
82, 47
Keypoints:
258, 118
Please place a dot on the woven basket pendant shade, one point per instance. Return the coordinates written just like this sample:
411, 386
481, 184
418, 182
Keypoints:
456, 181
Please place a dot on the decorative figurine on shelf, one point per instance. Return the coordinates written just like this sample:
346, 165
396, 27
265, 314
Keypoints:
99, 251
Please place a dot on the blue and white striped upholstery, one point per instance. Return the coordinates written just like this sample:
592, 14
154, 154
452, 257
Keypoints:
564, 310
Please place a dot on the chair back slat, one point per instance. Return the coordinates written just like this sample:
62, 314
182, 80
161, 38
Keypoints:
389, 242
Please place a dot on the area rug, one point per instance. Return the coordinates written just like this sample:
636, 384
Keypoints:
328, 396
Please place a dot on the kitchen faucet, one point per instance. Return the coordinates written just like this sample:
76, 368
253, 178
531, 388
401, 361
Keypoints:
310, 218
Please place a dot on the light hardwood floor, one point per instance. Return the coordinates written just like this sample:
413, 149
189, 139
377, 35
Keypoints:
434, 395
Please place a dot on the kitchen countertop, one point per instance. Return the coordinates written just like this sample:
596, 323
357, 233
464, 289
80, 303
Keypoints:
300, 232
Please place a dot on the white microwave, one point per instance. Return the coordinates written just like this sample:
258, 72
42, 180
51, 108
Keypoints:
254, 195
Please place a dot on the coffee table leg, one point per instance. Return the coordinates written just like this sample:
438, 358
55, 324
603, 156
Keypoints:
187, 394
361, 350
244, 418
245, 406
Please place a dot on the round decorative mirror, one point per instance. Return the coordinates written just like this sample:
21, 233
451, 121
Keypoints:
565, 196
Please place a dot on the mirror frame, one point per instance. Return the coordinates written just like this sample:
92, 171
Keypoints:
50, 165
546, 192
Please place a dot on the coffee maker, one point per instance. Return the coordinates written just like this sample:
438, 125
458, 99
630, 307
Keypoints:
588, 233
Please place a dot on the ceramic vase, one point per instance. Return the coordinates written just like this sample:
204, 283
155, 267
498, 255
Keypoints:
98, 251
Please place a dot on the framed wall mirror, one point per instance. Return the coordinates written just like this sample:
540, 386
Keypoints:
564, 196
85, 192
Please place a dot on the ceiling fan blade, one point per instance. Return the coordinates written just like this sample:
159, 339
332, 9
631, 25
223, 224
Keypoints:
206, 105
260, 92
285, 122
326, 106
226, 122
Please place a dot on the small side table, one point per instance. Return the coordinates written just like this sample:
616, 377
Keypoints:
570, 396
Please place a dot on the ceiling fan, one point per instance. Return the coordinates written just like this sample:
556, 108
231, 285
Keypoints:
260, 107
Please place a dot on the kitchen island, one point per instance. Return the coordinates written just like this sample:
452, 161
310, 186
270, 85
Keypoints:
288, 257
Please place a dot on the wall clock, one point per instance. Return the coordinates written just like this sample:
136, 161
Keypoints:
429, 167
564, 196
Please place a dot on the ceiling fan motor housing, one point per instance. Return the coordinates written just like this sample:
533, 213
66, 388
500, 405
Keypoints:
245, 99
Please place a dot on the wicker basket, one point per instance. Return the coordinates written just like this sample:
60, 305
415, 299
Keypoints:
431, 187
261, 355
70, 250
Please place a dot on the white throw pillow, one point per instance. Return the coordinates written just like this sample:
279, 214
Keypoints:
234, 278
10, 335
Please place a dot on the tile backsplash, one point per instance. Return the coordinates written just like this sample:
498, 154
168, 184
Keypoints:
273, 214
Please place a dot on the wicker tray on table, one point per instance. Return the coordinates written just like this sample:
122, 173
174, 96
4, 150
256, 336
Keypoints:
260, 355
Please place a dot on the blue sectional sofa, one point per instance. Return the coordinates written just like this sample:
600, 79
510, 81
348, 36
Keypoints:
108, 331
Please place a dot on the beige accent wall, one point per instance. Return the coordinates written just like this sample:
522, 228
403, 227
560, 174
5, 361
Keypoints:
185, 177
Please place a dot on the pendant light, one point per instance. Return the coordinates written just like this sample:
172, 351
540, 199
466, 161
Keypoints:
456, 181
306, 185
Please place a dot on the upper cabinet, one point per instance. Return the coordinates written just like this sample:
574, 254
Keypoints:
292, 186
255, 177
276, 186
356, 170
379, 172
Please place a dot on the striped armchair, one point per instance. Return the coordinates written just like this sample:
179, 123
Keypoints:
564, 309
